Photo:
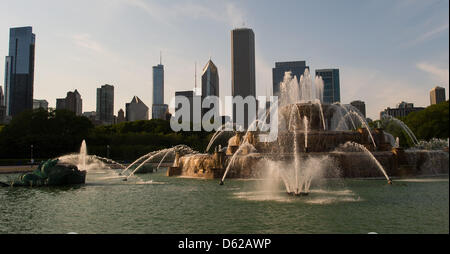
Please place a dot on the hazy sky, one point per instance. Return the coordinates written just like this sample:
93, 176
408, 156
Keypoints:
387, 50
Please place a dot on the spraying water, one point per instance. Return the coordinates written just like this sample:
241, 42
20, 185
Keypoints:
217, 134
363, 121
182, 149
293, 91
305, 123
82, 156
362, 148
405, 128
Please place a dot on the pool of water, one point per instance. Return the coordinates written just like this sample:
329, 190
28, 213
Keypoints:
154, 203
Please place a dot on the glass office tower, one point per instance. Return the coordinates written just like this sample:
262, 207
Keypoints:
19, 70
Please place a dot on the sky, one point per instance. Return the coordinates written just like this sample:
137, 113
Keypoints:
387, 51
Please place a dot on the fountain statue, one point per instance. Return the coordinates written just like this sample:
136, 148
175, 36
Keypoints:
50, 173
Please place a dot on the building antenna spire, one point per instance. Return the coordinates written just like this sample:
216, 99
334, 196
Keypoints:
160, 57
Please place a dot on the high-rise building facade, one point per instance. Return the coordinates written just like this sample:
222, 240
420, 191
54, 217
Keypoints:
2, 97
105, 104
189, 95
437, 95
19, 71
331, 85
136, 110
60, 103
159, 109
297, 68
40, 104
72, 102
121, 116
210, 84
359, 105
243, 68
158, 84
402, 110
2, 106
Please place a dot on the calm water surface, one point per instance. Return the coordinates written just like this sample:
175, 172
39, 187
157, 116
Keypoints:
159, 204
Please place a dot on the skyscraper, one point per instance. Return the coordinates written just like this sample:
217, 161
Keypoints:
136, 110
19, 70
190, 97
2, 97
359, 105
158, 107
243, 68
437, 95
210, 83
105, 104
2, 106
72, 102
331, 85
297, 68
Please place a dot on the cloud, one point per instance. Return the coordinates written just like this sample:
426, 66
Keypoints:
85, 41
427, 35
168, 14
158, 12
437, 74
235, 16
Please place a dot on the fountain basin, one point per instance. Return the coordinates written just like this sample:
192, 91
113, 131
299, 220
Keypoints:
339, 164
299, 194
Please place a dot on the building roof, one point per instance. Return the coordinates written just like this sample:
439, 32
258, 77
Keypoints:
136, 100
211, 65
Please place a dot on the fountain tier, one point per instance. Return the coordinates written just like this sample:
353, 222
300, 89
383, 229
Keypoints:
309, 130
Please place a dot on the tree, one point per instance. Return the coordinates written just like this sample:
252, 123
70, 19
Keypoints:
51, 134
432, 122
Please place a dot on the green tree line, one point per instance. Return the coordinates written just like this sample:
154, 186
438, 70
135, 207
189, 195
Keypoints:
61, 132
432, 122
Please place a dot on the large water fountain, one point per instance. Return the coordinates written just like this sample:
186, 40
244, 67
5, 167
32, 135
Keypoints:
314, 141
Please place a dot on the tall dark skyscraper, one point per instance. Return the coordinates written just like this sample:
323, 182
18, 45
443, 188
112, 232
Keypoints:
243, 67
210, 82
331, 85
297, 68
190, 96
19, 70
105, 104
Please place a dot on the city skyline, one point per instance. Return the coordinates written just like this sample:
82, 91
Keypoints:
405, 51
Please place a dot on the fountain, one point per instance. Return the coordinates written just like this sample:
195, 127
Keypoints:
315, 140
